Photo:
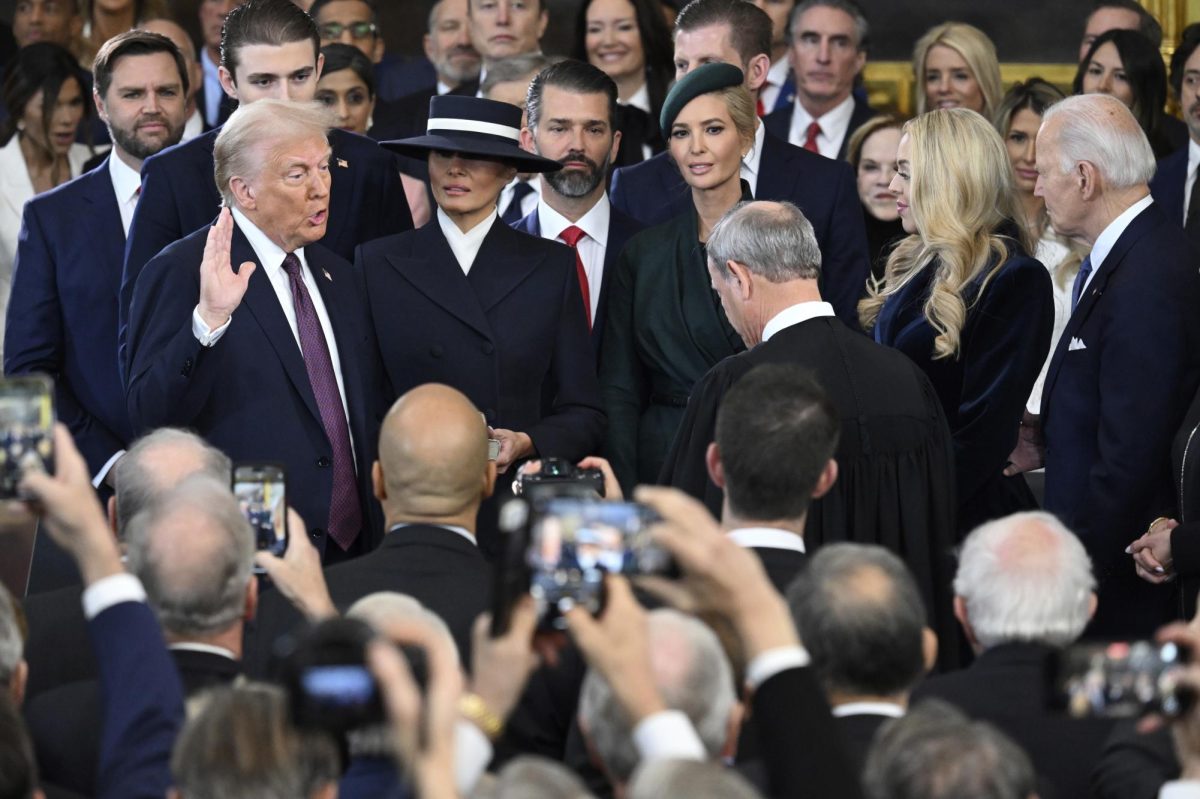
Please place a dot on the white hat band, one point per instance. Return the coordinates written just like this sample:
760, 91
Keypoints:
472, 126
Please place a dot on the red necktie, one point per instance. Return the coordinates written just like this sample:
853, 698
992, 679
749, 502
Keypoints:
810, 142
760, 108
571, 236
345, 512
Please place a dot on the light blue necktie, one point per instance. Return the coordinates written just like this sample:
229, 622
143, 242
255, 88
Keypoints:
1085, 269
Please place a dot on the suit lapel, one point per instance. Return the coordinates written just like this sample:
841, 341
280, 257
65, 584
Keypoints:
101, 218
773, 169
503, 263
263, 303
438, 276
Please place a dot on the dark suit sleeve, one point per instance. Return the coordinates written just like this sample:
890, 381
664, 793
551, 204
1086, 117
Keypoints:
1185, 549
845, 262
623, 380
1002, 354
574, 428
686, 467
34, 342
616, 193
1134, 765
143, 711
799, 740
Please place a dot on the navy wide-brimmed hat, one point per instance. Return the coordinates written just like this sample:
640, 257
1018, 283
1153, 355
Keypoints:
474, 126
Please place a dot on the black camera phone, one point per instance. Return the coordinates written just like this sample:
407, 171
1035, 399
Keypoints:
326, 676
1118, 679
26, 430
261, 492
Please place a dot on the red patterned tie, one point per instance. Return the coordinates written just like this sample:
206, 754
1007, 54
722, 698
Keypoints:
810, 143
345, 512
571, 236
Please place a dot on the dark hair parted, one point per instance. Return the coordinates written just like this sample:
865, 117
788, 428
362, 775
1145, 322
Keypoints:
340, 56
41, 67
776, 429
270, 22
576, 77
1148, 26
1188, 41
749, 26
1145, 74
316, 7
859, 612
657, 49
134, 43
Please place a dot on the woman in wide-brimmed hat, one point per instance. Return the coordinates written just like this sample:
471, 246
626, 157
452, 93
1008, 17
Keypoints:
469, 302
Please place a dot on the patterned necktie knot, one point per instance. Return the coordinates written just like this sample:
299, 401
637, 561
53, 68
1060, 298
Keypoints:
291, 265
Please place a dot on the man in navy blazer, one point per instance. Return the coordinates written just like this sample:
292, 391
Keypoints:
269, 48
654, 191
1128, 362
274, 361
571, 111
1175, 186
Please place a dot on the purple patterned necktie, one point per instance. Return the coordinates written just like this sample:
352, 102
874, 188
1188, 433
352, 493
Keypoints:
345, 513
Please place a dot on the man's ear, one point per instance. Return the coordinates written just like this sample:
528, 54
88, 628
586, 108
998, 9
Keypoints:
745, 287
960, 613
17, 683
100, 110
612, 154
1087, 177
527, 142
227, 82
243, 192
111, 507
320, 67
489, 479
825, 482
426, 45
1093, 602
756, 73
929, 648
250, 609
378, 50
543, 21
378, 486
712, 462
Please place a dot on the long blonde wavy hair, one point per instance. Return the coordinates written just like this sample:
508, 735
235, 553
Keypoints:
961, 191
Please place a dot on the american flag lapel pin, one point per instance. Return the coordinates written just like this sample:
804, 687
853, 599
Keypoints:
343, 163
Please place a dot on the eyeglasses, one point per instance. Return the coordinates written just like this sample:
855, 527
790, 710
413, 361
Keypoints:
358, 30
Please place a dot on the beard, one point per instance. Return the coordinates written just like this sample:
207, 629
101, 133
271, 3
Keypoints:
575, 183
142, 149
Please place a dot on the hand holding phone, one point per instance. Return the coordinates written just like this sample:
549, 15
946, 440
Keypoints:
261, 492
26, 430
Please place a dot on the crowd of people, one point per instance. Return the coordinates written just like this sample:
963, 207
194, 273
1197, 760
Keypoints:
907, 403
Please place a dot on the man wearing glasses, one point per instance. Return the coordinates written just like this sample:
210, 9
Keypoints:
352, 22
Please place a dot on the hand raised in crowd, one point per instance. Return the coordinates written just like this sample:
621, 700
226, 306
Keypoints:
1030, 453
70, 511
298, 574
221, 289
1152, 552
501, 666
422, 724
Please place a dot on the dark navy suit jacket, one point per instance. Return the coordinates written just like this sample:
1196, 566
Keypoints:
1168, 183
779, 122
653, 192
1118, 386
620, 228
179, 196
249, 394
62, 318
502, 334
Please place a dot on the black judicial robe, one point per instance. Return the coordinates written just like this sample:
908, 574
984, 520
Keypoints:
895, 484
665, 329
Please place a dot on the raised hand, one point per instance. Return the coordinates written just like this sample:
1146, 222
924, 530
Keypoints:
221, 289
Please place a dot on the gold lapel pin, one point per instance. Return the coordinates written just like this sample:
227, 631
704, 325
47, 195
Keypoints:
343, 163
328, 277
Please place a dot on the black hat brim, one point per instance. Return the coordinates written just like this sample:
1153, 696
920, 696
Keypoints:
420, 146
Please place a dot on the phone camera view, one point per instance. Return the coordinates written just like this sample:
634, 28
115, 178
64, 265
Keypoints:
1121, 679
574, 543
337, 688
261, 496
26, 431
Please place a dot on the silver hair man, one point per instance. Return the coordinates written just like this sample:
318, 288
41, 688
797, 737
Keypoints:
1085, 132
253, 130
156, 462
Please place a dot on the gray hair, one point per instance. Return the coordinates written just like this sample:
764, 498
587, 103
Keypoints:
659, 778
862, 30
515, 68
200, 588
1025, 577
379, 608
12, 641
256, 127
694, 676
534, 777
772, 239
936, 752
1087, 132
241, 745
137, 485
859, 612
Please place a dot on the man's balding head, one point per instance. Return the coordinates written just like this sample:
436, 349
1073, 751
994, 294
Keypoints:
159, 461
433, 456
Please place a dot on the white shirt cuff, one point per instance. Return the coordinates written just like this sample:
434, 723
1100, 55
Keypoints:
203, 333
774, 661
1180, 789
667, 735
112, 590
100, 475
472, 753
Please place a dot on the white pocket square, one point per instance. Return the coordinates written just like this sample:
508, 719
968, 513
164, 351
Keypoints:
1076, 344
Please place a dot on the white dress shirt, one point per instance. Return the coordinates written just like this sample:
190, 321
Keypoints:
794, 315
127, 183
528, 202
270, 258
868, 709
752, 160
1108, 238
767, 538
774, 661
109, 591
212, 88
835, 126
1192, 168
641, 100
777, 75
592, 246
1180, 789
208, 649
465, 246
454, 528
193, 127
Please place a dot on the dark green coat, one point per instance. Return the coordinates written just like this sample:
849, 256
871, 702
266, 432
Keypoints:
665, 329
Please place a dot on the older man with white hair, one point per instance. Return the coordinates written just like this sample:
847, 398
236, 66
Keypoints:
1024, 589
252, 334
1128, 362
